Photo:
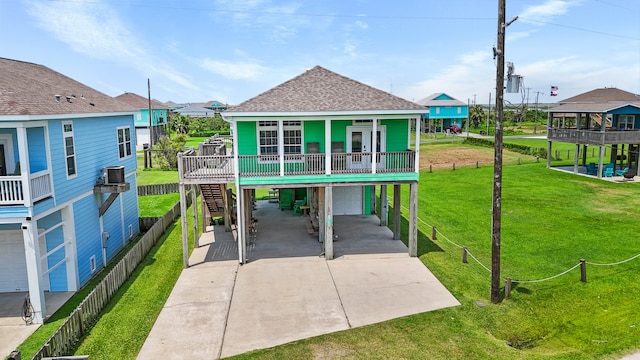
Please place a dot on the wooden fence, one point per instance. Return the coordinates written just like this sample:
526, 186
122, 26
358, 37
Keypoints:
158, 189
65, 338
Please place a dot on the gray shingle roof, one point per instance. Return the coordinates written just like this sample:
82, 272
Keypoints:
597, 101
430, 101
31, 89
321, 90
139, 102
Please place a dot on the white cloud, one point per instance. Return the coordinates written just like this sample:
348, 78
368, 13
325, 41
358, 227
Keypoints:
548, 10
95, 29
234, 70
362, 24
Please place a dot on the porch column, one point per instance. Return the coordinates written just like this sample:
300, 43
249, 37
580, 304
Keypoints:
32, 256
576, 159
603, 126
417, 148
328, 223
321, 212
396, 211
327, 146
384, 206
183, 219
413, 220
240, 225
281, 146
23, 153
374, 145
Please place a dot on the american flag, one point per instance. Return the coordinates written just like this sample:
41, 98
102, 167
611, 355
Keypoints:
554, 90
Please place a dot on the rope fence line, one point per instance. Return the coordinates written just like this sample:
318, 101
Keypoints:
508, 281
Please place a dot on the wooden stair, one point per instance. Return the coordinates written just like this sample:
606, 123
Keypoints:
213, 195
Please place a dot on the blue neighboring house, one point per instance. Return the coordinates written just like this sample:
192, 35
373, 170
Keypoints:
68, 199
145, 128
444, 111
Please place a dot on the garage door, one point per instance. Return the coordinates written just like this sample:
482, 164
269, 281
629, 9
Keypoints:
347, 200
13, 266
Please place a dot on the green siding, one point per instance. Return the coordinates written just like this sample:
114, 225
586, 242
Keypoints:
367, 200
247, 138
314, 132
397, 132
339, 131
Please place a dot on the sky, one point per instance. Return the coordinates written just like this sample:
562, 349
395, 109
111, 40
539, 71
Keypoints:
233, 50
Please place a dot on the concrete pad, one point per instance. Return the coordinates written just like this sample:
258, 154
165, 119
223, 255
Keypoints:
192, 322
276, 301
13, 330
377, 289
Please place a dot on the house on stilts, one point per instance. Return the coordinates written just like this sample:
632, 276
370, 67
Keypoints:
606, 118
321, 141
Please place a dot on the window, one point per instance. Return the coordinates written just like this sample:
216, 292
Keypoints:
625, 122
124, 142
292, 137
69, 148
268, 137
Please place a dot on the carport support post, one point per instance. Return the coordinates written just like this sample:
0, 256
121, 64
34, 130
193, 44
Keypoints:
576, 158
384, 206
413, 220
328, 223
396, 212
321, 212
32, 257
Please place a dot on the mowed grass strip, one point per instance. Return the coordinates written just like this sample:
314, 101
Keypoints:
550, 220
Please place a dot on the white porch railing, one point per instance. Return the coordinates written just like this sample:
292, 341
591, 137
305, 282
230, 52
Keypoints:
12, 190
221, 167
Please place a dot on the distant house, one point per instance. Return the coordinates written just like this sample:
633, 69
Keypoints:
196, 111
324, 141
68, 199
443, 111
216, 106
607, 118
146, 127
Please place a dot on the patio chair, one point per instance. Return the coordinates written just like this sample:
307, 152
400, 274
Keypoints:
592, 169
608, 172
622, 172
297, 206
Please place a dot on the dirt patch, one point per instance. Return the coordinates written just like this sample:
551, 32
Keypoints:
439, 158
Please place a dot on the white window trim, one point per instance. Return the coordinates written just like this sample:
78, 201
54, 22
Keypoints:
130, 141
274, 158
65, 135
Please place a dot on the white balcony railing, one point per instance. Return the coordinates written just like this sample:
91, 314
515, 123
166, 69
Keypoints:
13, 191
220, 168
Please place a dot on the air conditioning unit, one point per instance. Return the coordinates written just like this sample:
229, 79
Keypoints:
113, 175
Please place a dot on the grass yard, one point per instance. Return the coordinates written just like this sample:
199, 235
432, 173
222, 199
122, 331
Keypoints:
550, 221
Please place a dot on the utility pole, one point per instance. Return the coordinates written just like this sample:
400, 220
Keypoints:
535, 119
497, 161
489, 115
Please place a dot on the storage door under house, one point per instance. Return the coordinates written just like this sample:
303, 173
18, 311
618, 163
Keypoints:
13, 264
348, 200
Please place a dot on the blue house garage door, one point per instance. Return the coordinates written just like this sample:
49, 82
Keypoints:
13, 265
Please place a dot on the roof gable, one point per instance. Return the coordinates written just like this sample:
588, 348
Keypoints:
602, 96
321, 90
440, 99
32, 89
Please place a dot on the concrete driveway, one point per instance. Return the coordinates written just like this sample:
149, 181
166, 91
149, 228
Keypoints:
287, 291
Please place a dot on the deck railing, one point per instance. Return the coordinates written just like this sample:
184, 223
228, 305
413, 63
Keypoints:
221, 167
594, 137
12, 190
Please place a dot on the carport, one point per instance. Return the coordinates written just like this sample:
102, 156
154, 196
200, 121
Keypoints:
287, 290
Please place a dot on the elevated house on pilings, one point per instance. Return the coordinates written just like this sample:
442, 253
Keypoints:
320, 139
608, 118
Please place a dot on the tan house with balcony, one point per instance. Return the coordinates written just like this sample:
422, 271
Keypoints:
607, 118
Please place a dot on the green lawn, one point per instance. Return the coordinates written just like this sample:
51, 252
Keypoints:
550, 221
